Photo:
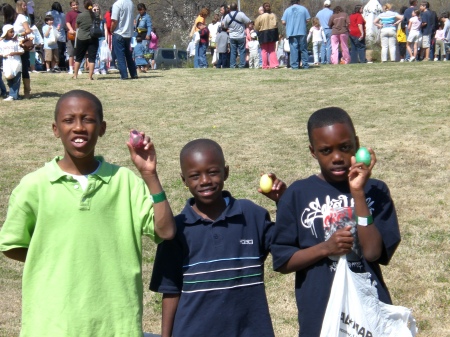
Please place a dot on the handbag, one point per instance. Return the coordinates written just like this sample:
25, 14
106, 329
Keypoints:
52, 39
286, 46
354, 309
96, 31
27, 44
11, 67
105, 53
71, 37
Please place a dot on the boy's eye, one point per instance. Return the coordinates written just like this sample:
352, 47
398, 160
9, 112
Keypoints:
325, 151
346, 148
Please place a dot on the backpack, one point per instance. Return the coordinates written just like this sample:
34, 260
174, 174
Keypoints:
96, 29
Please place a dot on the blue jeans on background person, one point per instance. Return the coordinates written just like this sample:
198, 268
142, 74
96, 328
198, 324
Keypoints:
124, 56
196, 56
14, 85
202, 62
223, 60
358, 51
235, 46
325, 50
299, 49
2, 86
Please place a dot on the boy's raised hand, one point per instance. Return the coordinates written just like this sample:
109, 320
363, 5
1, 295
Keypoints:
278, 188
359, 173
340, 243
144, 156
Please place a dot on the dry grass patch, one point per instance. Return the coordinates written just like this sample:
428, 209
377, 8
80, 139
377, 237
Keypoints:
259, 117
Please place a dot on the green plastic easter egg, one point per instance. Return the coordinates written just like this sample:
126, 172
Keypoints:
363, 156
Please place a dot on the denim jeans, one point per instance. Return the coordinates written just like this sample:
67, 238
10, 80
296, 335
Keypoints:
14, 85
358, 51
2, 85
316, 47
124, 56
202, 62
235, 46
223, 61
325, 50
298, 46
196, 56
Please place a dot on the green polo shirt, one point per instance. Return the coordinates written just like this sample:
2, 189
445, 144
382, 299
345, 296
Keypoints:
83, 274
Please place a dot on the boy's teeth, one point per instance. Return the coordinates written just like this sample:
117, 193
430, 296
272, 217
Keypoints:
78, 140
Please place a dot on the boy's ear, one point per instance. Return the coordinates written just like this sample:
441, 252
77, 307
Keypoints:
357, 142
311, 150
227, 172
55, 130
102, 129
182, 178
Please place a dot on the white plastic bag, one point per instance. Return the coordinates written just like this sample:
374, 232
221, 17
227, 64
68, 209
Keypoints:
37, 36
11, 67
355, 310
196, 37
105, 53
52, 37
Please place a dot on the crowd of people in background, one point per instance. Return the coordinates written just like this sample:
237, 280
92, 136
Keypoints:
123, 43
414, 33
116, 42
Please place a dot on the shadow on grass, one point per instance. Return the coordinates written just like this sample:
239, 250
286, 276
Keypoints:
45, 94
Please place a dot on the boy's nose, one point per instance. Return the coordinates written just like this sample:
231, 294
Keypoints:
205, 179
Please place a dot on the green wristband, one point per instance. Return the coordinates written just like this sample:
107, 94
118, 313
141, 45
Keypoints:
364, 220
159, 197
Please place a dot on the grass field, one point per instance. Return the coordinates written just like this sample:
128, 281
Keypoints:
259, 117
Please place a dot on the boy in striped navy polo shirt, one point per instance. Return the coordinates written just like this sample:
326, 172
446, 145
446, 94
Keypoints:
212, 273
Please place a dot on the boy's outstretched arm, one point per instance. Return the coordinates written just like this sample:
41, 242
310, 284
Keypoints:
144, 158
340, 243
19, 254
169, 308
369, 236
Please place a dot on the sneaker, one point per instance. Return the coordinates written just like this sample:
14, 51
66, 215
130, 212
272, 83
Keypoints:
70, 71
96, 72
80, 72
402, 60
9, 98
412, 59
48, 70
34, 71
113, 70
436, 59
56, 70
445, 60
103, 72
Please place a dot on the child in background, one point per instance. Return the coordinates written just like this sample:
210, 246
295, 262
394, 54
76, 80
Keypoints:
439, 43
30, 11
203, 44
212, 273
253, 47
138, 55
10, 49
280, 50
318, 37
401, 36
414, 27
222, 48
153, 47
306, 239
77, 223
51, 53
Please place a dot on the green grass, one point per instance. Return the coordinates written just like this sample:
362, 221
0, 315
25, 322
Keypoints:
259, 117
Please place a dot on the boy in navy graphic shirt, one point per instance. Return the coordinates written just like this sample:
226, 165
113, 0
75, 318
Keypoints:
212, 273
339, 211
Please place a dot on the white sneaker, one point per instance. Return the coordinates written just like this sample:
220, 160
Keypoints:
80, 72
103, 72
445, 59
402, 60
70, 71
9, 98
96, 72
436, 59
412, 59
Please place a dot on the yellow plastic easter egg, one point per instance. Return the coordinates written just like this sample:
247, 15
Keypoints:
265, 183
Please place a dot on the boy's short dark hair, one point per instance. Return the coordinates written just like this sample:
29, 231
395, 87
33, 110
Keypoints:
199, 145
199, 24
48, 18
138, 39
326, 117
81, 94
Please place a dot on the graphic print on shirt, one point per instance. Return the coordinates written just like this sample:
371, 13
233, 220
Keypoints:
334, 214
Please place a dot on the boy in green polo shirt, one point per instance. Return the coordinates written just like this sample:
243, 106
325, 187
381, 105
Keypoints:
77, 224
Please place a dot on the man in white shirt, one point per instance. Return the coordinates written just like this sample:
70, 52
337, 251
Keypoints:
122, 27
